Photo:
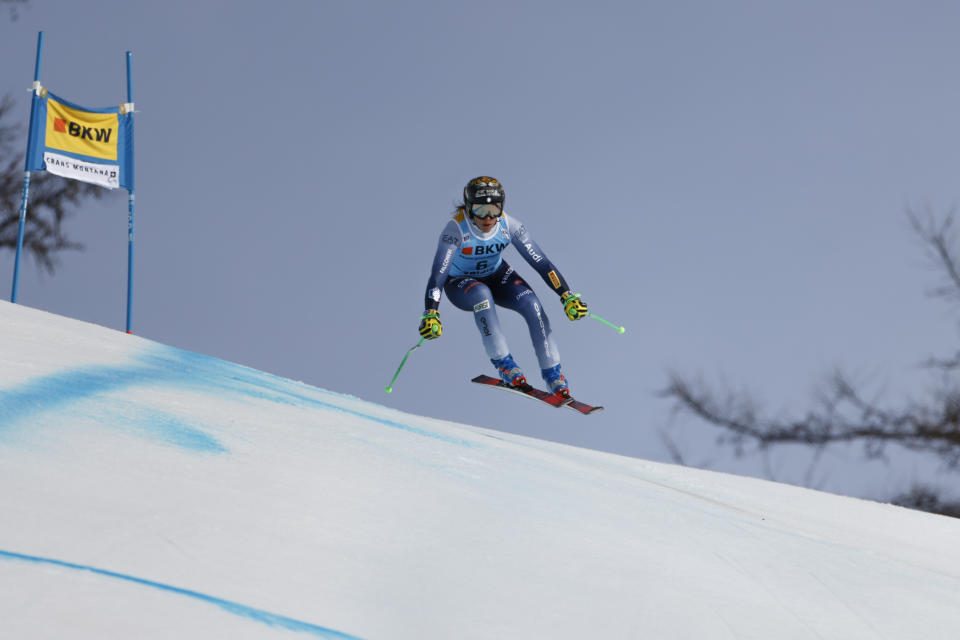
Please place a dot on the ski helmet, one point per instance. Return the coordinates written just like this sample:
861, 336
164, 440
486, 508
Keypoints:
484, 190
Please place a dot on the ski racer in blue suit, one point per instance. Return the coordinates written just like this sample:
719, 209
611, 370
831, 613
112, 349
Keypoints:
470, 269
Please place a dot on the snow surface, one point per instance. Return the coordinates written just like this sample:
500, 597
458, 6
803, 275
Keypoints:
150, 492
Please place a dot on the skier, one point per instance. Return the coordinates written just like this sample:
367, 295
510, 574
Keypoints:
469, 267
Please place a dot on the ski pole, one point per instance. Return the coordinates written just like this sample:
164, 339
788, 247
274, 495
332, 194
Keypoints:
609, 324
389, 388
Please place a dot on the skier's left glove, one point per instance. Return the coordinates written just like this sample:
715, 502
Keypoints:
573, 306
430, 327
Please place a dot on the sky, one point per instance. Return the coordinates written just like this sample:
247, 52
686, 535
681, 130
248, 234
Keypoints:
727, 181
161, 493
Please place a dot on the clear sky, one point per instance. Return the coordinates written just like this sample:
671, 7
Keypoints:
727, 180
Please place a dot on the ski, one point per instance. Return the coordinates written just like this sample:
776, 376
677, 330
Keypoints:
524, 390
583, 407
537, 394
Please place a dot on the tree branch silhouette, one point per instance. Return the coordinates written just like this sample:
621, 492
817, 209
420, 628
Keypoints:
842, 414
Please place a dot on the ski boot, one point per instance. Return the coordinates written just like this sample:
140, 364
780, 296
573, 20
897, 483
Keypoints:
509, 372
556, 383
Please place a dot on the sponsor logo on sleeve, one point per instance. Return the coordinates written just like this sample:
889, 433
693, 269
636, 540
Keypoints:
532, 253
481, 306
446, 260
554, 279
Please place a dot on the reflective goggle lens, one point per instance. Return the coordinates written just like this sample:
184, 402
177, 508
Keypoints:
486, 210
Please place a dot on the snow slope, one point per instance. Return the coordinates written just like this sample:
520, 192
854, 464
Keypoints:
149, 492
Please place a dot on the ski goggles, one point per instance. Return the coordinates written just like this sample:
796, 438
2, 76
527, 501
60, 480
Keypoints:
486, 210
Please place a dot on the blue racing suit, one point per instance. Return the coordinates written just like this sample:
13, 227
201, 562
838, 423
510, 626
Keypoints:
470, 269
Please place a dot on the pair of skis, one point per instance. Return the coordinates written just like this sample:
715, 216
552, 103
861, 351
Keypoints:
537, 394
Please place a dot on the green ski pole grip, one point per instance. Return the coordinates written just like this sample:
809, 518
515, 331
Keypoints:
619, 328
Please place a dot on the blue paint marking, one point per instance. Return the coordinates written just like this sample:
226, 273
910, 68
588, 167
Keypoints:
170, 367
174, 430
204, 372
258, 615
58, 391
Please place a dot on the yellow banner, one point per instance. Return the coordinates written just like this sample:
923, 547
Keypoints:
83, 132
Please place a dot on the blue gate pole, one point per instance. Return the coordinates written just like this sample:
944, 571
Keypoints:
130, 208
26, 173
23, 220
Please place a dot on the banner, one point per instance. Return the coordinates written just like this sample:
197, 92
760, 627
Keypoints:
91, 145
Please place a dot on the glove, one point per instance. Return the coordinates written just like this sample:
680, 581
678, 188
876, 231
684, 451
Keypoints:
430, 327
573, 306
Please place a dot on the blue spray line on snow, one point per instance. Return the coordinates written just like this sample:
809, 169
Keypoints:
257, 615
59, 390
200, 372
176, 368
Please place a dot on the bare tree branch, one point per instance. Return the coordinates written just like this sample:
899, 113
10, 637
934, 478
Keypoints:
14, 6
928, 499
52, 200
842, 414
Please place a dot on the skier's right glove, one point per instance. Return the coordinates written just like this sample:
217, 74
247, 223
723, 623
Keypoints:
430, 327
573, 306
